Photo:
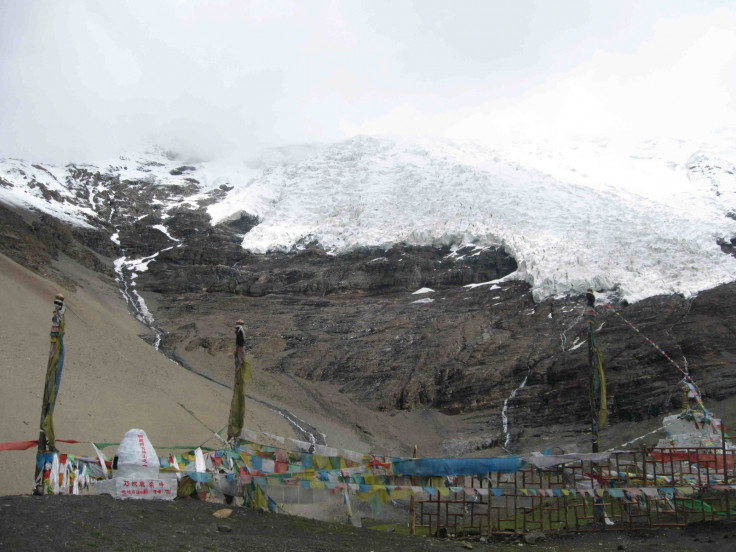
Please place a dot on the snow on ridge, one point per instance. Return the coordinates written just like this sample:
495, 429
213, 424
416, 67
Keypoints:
41, 188
61, 197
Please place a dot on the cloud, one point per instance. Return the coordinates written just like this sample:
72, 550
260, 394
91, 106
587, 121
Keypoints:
677, 81
89, 79
81, 80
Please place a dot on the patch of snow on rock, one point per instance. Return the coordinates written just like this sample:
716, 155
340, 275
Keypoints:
423, 290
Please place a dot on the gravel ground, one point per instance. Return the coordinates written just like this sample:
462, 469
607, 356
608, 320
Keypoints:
60, 523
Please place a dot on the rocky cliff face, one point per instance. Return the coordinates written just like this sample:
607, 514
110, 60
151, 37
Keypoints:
354, 320
487, 352
460, 350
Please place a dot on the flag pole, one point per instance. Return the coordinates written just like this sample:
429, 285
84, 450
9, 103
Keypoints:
413, 506
597, 382
46, 437
242, 375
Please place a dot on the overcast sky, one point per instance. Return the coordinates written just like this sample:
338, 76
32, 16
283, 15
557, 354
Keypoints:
84, 79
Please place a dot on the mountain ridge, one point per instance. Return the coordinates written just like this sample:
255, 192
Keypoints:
566, 232
496, 344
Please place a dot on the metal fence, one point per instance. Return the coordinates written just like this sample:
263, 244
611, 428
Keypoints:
631, 489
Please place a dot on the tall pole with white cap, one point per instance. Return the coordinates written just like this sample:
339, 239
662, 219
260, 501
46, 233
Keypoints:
597, 378
242, 375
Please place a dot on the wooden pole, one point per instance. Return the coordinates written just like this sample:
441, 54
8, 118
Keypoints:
413, 507
242, 375
46, 436
595, 398
490, 503
594, 410
725, 470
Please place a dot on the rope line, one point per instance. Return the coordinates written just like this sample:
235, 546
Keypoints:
689, 382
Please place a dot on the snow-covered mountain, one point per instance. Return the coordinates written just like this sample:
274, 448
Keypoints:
632, 220
193, 244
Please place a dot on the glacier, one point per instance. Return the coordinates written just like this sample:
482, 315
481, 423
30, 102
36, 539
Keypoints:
635, 223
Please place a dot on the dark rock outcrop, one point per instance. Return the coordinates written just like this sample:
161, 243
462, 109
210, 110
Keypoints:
223, 266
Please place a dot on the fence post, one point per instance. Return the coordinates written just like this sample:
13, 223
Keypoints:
413, 507
490, 510
644, 464
725, 470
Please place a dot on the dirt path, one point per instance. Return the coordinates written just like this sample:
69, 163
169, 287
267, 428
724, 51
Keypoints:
66, 523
